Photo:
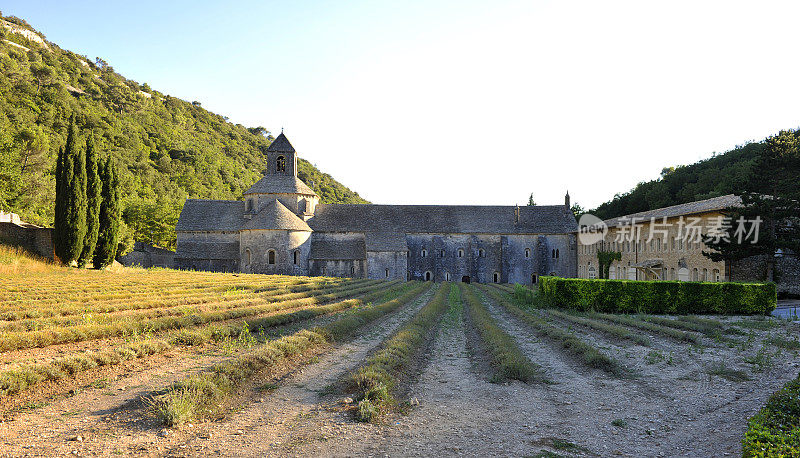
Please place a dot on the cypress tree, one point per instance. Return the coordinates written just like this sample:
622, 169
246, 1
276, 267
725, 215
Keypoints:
108, 230
70, 223
93, 191
58, 223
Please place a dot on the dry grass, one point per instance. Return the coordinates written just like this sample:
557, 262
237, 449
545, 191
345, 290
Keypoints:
202, 394
507, 360
15, 260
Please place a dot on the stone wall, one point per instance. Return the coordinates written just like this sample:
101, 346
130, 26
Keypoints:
788, 274
387, 265
488, 258
347, 268
37, 240
146, 255
205, 250
290, 248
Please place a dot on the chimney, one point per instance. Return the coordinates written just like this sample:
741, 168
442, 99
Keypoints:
516, 214
566, 200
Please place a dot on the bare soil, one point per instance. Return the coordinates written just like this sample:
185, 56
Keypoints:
671, 402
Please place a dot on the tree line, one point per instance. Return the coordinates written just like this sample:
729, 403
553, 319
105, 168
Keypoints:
165, 149
87, 216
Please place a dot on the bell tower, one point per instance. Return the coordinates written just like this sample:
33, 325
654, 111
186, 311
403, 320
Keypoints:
281, 157
280, 183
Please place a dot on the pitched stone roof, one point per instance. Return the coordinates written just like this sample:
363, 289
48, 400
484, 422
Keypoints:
281, 144
691, 208
211, 215
280, 184
385, 241
475, 219
335, 250
276, 216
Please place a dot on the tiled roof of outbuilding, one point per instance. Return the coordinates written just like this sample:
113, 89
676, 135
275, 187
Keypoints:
276, 216
385, 241
211, 215
281, 144
280, 184
334, 250
690, 208
475, 219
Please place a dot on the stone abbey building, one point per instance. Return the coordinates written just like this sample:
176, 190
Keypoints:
281, 228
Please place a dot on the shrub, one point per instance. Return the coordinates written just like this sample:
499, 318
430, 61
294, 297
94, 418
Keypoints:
660, 297
775, 429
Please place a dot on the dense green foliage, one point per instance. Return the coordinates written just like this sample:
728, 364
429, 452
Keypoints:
70, 217
108, 218
773, 199
166, 149
661, 297
604, 260
775, 429
730, 173
94, 189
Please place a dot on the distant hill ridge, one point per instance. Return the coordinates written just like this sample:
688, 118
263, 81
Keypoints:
719, 175
166, 149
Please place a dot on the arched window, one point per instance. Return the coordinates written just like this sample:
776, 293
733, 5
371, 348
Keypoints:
715, 275
447, 276
424, 253
296, 257
387, 273
592, 272
705, 275
533, 279
427, 276
481, 253
553, 254
271, 257
695, 274
441, 253
496, 277
352, 271
460, 253
280, 164
247, 256
527, 252
556, 253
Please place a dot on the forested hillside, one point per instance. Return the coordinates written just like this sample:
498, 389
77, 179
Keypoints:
728, 173
166, 149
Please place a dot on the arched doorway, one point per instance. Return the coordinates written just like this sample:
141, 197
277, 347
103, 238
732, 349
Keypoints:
465, 279
427, 276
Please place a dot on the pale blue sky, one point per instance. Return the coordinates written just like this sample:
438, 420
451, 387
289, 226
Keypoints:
458, 101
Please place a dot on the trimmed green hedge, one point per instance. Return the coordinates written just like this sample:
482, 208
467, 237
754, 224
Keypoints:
661, 297
775, 429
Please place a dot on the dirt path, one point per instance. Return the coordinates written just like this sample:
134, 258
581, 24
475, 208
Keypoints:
104, 405
294, 415
669, 407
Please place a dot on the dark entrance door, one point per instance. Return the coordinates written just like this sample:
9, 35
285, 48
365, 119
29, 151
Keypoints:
465, 279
